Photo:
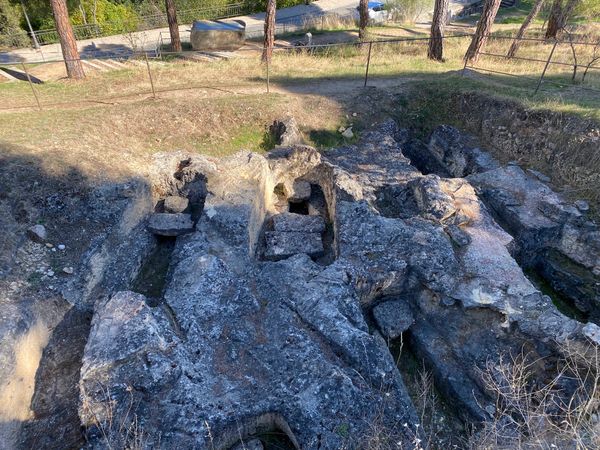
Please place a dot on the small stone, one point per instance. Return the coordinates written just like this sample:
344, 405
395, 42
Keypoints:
211, 212
341, 129
286, 132
347, 133
490, 409
50, 273
163, 224
61, 246
37, 233
175, 204
49, 245
582, 205
354, 114
592, 332
68, 270
596, 271
458, 236
53, 249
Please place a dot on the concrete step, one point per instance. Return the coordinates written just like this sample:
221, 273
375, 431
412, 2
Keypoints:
7, 75
94, 65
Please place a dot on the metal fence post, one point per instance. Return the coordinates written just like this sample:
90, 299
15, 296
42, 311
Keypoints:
368, 63
37, 100
150, 75
545, 67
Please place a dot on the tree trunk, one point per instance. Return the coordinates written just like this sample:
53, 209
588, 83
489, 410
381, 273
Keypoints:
269, 31
532, 15
68, 43
363, 11
484, 27
559, 16
438, 24
554, 20
173, 26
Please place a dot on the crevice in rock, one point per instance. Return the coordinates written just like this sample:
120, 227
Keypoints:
271, 431
299, 207
152, 276
550, 280
436, 415
56, 423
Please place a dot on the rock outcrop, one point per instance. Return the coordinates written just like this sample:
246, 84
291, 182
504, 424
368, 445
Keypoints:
240, 344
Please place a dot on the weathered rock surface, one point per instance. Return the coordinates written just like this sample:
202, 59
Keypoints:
37, 233
164, 224
283, 244
551, 236
240, 345
285, 132
298, 222
175, 204
393, 317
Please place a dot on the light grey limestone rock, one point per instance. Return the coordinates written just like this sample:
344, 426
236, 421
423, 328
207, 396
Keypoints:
164, 224
298, 191
283, 244
241, 344
298, 222
393, 317
175, 204
37, 233
286, 132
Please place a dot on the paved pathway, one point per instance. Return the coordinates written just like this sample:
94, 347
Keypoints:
124, 44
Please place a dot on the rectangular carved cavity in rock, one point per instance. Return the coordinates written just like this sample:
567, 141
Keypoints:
449, 153
293, 234
151, 278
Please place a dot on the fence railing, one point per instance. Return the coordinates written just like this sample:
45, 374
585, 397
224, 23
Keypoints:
141, 23
359, 64
587, 60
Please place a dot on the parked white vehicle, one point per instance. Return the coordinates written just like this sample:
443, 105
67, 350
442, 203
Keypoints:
377, 12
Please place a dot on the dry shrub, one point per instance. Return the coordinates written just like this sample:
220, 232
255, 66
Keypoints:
560, 413
116, 431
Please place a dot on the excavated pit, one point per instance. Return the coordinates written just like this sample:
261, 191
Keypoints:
152, 276
279, 240
233, 337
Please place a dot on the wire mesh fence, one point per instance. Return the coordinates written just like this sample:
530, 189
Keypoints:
343, 65
543, 64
